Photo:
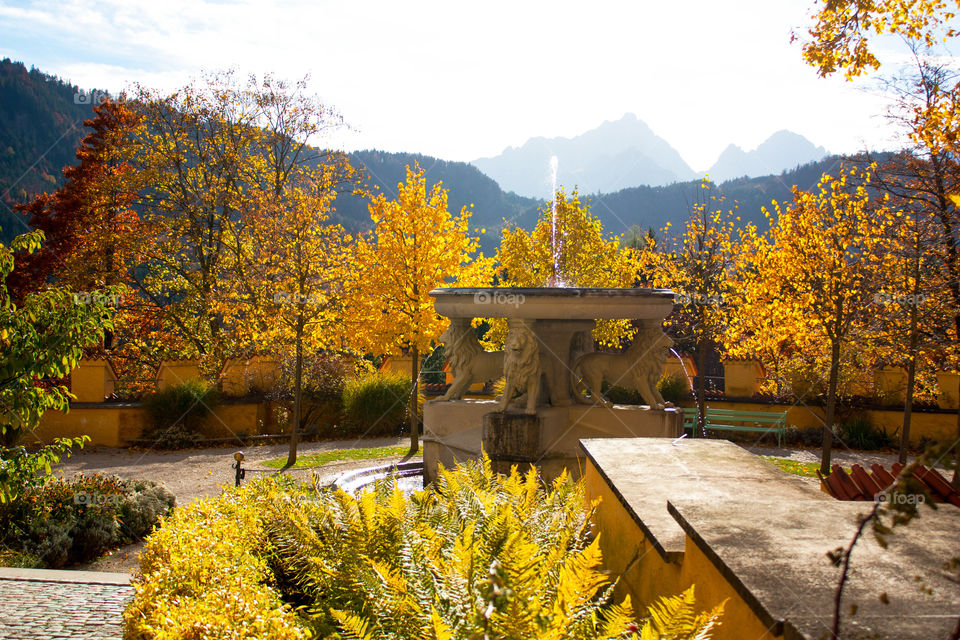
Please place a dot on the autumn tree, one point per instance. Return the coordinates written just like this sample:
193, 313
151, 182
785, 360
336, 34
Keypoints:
296, 265
567, 247
698, 265
205, 154
822, 258
415, 246
920, 179
88, 225
840, 40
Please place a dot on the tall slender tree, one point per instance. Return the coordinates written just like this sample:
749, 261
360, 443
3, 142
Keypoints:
415, 246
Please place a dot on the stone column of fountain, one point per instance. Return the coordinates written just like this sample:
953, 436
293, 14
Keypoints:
548, 350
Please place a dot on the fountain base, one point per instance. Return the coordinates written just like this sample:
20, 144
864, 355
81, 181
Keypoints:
459, 430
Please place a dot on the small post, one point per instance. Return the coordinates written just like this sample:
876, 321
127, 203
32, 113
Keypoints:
241, 472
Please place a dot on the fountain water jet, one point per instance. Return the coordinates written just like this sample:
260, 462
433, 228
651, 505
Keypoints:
555, 278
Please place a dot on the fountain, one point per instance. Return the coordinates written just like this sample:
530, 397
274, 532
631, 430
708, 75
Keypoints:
548, 350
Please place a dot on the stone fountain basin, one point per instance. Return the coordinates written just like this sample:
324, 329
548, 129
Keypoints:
553, 303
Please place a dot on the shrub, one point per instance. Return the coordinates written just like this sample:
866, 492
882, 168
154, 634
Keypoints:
482, 556
323, 378
812, 436
177, 413
64, 522
621, 395
857, 432
674, 388
205, 574
376, 404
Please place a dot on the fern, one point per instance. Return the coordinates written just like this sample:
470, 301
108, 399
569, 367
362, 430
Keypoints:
482, 556
675, 618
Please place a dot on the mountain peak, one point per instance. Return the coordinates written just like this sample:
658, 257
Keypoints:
784, 149
615, 155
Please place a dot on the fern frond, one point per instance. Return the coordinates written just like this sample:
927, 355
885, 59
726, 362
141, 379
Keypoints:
352, 626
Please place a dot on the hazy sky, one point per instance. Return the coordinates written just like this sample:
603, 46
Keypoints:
465, 80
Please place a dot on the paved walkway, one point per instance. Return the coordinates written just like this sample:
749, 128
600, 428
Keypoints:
39, 604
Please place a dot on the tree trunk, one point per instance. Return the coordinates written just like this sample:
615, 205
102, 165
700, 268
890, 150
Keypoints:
414, 393
297, 398
911, 378
831, 406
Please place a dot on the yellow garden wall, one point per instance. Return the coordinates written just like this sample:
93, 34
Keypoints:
650, 576
111, 425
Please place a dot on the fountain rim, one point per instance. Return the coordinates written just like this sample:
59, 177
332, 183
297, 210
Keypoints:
559, 292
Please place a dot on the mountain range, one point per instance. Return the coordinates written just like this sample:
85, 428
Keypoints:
40, 130
627, 153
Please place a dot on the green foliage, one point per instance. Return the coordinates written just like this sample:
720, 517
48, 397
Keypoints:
481, 556
21, 470
323, 457
177, 413
41, 341
797, 468
64, 522
674, 388
376, 404
858, 433
38, 139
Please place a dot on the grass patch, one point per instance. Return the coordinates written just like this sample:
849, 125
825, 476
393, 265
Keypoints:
323, 457
805, 469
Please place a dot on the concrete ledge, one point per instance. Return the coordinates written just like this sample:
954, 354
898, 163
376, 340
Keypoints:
645, 472
49, 575
774, 556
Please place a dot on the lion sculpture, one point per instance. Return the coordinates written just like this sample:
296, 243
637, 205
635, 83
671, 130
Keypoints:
521, 366
638, 366
468, 361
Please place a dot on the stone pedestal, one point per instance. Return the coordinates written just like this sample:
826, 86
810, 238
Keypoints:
510, 438
557, 353
459, 430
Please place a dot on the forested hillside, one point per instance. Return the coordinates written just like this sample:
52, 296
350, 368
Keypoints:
40, 128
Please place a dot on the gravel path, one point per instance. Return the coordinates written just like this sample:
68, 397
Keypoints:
197, 473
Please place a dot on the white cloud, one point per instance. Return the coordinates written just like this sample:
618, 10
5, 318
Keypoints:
466, 80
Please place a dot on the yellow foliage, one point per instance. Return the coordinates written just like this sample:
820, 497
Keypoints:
698, 265
840, 37
416, 246
574, 253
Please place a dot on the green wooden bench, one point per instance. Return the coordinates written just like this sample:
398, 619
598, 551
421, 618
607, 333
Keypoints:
733, 420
